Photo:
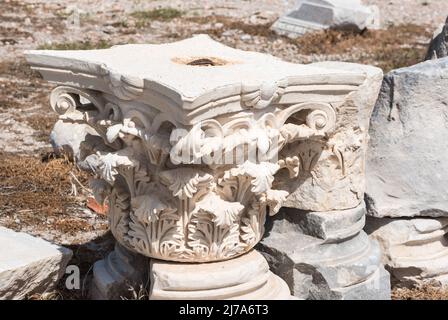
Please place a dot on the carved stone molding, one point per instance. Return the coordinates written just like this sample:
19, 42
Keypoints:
192, 164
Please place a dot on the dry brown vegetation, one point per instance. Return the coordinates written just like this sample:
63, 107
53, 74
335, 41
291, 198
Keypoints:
424, 292
395, 47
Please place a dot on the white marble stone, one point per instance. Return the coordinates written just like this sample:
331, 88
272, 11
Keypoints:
243, 278
414, 250
199, 142
66, 138
313, 15
29, 265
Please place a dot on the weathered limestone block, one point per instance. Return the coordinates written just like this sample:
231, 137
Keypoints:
325, 255
198, 142
67, 136
329, 174
312, 15
407, 171
120, 273
414, 250
438, 47
29, 265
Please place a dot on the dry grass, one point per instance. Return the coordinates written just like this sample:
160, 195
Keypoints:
424, 292
38, 194
396, 47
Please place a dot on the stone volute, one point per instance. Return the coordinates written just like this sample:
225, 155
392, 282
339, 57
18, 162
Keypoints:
194, 143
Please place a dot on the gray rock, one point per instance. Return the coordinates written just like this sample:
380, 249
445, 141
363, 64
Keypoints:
438, 48
415, 251
325, 255
119, 275
312, 15
407, 167
29, 265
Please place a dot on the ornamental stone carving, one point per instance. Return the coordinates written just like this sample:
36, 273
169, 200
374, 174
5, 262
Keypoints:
197, 143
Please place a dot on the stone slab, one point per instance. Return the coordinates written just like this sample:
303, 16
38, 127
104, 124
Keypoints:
407, 171
29, 265
415, 251
216, 73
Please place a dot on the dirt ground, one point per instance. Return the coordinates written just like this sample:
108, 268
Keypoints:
45, 195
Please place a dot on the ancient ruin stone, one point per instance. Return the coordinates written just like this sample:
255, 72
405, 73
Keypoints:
414, 250
29, 265
313, 15
199, 142
325, 255
438, 48
407, 171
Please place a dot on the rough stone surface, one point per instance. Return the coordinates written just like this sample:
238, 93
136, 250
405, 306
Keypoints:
438, 48
29, 265
66, 137
311, 15
120, 273
407, 171
244, 278
342, 264
415, 251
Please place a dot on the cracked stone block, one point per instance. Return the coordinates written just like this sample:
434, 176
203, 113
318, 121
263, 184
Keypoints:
29, 265
119, 274
415, 251
333, 265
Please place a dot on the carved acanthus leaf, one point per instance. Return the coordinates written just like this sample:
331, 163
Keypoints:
224, 213
274, 199
149, 207
261, 174
292, 164
185, 182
